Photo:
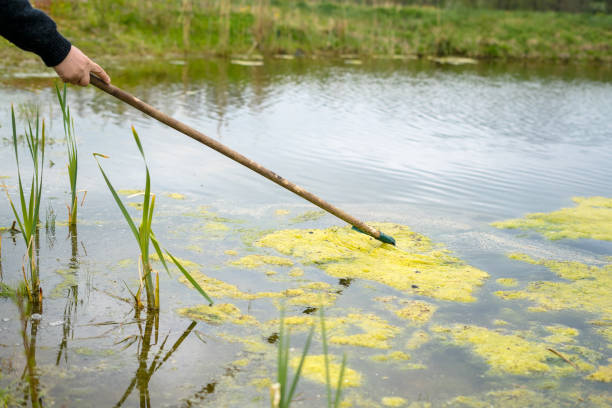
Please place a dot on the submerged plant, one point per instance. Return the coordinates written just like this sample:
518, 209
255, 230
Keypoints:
27, 210
71, 146
144, 236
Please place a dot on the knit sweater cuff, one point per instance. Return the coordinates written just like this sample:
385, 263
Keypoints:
55, 51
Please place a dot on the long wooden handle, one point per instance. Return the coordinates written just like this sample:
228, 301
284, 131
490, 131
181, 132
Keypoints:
232, 154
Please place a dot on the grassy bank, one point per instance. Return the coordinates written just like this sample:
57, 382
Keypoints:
291, 27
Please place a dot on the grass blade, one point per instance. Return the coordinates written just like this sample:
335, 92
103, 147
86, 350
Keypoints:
189, 278
124, 211
298, 372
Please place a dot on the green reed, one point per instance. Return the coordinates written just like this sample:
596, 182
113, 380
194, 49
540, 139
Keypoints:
71, 146
280, 393
283, 395
338, 397
144, 236
27, 210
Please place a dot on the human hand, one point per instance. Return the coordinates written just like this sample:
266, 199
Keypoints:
75, 68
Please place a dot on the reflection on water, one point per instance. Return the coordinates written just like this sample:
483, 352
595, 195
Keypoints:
445, 150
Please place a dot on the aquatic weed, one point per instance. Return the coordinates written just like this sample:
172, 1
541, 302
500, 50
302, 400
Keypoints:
71, 146
27, 217
281, 395
144, 235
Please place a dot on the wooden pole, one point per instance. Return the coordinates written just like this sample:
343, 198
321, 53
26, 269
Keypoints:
234, 155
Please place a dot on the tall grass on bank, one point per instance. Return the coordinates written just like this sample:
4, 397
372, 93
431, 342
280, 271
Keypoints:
27, 210
144, 236
332, 401
372, 28
71, 146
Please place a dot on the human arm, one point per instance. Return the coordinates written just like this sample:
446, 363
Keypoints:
32, 30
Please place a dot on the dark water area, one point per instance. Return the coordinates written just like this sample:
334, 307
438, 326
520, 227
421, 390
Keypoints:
445, 150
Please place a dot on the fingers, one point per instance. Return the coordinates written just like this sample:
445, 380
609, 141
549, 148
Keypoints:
96, 69
77, 67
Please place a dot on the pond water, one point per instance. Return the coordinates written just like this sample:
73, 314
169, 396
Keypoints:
445, 151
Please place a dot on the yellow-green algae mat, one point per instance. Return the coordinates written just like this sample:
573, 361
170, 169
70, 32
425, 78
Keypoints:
415, 265
584, 288
590, 218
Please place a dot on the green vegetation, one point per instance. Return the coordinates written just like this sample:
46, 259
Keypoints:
144, 235
280, 392
296, 27
27, 217
71, 146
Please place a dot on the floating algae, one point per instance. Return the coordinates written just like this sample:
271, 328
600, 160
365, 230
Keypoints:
217, 314
417, 311
281, 212
69, 280
561, 334
189, 265
375, 331
308, 216
507, 352
313, 294
510, 282
591, 218
522, 397
603, 374
417, 339
314, 370
130, 192
393, 401
175, 196
256, 261
296, 272
588, 289
230, 252
393, 356
419, 266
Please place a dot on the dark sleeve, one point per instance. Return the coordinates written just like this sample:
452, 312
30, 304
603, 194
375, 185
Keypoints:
32, 30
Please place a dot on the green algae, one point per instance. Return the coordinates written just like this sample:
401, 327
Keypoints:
590, 218
393, 401
417, 312
314, 294
215, 227
217, 314
126, 263
187, 264
296, 272
175, 196
510, 282
416, 265
281, 212
256, 261
372, 331
603, 373
417, 339
393, 356
69, 279
230, 252
587, 288
523, 397
561, 334
130, 192
314, 370
313, 215
508, 352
